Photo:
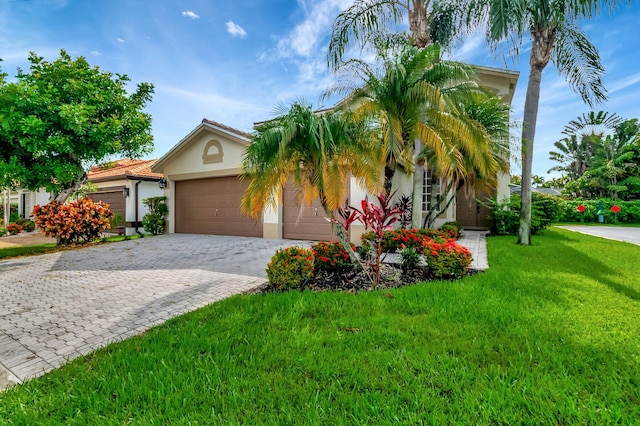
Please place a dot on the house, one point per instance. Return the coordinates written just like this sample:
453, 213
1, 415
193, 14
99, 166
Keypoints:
204, 189
124, 184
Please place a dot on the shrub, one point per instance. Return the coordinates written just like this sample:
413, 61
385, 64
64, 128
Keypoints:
3, 231
410, 258
452, 229
80, 220
330, 256
446, 260
153, 222
290, 268
505, 215
629, 213
394, 239
14, 228
27, 224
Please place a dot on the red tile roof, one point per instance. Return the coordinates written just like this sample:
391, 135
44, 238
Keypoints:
227, 128
125, 168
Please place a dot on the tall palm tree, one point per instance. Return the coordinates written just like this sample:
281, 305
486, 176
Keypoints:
573, 154
318, 151
415, 100
556, 37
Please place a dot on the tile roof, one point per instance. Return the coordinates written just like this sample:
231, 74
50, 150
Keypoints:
227, 128
124, 168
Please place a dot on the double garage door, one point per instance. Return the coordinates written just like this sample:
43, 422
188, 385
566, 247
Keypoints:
212, 206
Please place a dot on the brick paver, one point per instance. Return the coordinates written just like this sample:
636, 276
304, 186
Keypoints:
59, 306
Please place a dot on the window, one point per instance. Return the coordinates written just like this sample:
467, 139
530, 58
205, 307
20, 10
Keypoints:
430, 190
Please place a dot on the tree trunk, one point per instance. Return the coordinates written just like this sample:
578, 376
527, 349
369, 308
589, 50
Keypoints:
340, 233
64, 195
541, 48
389, 172
418, 187
418, 26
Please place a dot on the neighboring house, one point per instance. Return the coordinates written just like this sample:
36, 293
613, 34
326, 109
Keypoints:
124, 184
516, 189
204, 189
26, 200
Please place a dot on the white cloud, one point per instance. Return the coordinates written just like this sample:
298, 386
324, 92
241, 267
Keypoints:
119, 40
236, 30
96, 53
624, 83
190, 14
306, 36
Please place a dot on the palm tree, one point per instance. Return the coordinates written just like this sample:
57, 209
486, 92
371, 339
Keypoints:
481, 164
318, 151
573, 154
416, 100
555, 38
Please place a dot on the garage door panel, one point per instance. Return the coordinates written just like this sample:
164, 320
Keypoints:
114, 198
212, 206
306, 222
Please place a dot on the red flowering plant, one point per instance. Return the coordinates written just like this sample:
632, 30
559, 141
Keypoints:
446, 259
290, 268
375, 217
331, 256
81, 220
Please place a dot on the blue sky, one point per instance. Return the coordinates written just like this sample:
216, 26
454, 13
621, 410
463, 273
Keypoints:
234, 61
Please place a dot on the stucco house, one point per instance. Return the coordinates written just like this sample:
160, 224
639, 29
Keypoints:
124, 184
204, 190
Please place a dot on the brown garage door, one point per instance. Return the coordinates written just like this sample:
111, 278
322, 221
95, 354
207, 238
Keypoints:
113, 197
212, 206
306, 222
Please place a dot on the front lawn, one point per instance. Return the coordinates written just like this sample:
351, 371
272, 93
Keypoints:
548, 335
18, 251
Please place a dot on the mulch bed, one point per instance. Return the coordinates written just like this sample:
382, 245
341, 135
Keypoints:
356, 281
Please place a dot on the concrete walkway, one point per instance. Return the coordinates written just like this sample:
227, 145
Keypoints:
476, 242
58, 306
627, 234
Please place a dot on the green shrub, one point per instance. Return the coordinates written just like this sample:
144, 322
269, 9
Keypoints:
410, 258
153, 222
446, 260
290, 268
3, 231
505, 215
27, 224
451, 228
629, 213
330, 256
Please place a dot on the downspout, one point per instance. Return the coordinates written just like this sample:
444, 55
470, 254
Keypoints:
136, 210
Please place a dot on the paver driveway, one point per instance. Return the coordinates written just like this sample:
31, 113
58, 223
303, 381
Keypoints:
62, 305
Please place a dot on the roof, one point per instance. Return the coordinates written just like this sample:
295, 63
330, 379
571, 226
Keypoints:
206, 125
517, 189
227, 128
127, 168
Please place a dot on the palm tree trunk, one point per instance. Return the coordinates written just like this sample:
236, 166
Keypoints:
528, 135
418, 25
418, 187
339, 231
389, 172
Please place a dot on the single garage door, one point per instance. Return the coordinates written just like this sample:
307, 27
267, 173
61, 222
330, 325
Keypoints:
212, 206
306, 222
112, 196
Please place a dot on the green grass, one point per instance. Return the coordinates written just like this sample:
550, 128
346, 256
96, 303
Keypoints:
19, 251
549, 335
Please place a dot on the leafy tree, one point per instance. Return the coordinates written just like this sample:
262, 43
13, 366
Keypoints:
418, 100
556, 37
318, 151
63, 116
583, 137
613, 170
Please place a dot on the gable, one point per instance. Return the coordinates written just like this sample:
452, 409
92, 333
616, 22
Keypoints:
207, 149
